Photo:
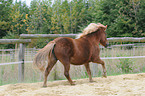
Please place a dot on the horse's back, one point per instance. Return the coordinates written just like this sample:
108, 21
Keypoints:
63, 48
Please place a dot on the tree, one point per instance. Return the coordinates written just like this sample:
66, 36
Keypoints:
5, 6
140, 18
18, 18
121, 16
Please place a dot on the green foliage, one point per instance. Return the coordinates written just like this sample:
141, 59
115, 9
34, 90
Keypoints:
123, 17
126, 65
18, 17
4, 13
4, 27
5, 7
39, 43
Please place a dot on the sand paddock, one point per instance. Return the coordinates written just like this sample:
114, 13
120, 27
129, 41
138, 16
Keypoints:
121, 85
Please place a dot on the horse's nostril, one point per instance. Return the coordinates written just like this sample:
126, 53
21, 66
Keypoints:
107, 45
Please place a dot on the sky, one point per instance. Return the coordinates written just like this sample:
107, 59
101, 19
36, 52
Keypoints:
27, 1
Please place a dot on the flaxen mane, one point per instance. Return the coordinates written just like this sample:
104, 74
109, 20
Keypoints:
92, 27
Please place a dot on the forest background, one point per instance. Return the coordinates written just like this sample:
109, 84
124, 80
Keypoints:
125, 18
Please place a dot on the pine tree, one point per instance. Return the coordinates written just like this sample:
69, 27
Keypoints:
121, 16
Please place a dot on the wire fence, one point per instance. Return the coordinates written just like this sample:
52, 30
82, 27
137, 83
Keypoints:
119, 59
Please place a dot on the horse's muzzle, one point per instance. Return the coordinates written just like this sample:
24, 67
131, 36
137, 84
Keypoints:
106, 45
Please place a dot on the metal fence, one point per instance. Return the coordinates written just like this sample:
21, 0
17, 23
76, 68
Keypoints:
117, 58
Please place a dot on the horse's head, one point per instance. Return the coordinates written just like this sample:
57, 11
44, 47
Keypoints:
99, 29
103, 36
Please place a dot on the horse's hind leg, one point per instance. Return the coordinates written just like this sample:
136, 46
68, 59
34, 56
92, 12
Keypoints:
47, 71
98, 60
87, 66
66, 71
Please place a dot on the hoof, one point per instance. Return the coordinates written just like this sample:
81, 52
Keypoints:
73, 84
44, 86
104, 76
91, 81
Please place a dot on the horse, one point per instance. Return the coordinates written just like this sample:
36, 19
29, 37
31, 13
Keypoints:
78, 51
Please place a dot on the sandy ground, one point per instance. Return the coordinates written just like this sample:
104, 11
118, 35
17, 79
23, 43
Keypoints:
121, 85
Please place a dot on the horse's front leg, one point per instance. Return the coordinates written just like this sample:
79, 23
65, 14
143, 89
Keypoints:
99, 61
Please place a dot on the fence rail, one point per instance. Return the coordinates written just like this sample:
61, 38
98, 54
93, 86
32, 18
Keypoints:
103, 58
10, 63
122, 57
126, 39
113, 39
14, 41
37, 36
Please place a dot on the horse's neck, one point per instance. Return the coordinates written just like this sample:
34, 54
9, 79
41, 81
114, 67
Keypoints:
93, 38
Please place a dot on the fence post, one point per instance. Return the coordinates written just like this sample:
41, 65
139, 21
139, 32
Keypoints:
21, 65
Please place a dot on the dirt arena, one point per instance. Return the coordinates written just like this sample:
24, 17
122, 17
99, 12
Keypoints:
121, 85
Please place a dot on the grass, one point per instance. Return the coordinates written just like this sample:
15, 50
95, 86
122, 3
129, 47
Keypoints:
9, 73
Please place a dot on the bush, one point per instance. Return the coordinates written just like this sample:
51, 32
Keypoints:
126, 65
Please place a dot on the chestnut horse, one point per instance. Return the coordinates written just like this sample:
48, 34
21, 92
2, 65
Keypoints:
68, 51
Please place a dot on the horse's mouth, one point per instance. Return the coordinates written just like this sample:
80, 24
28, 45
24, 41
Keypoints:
106, 45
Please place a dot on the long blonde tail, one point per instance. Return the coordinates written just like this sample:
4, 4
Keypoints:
43, 55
